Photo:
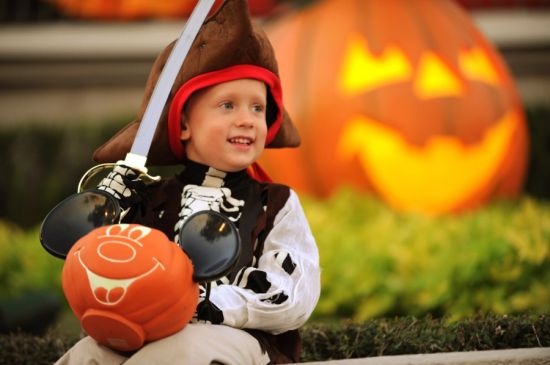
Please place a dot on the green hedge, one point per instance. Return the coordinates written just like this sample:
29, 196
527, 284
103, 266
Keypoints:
379, 263
376, 262
24, 265
410, 335
43, 163
345, 340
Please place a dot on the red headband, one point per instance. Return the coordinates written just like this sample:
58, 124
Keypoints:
217, 77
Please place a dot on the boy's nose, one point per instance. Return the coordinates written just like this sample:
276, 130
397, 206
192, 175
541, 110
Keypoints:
245, 119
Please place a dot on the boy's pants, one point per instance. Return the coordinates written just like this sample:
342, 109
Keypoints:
196, 344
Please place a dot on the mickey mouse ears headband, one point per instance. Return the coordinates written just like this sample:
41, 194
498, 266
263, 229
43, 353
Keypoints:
226, 40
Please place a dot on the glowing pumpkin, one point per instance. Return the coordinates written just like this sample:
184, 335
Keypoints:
140, 9
404, 98
128, 285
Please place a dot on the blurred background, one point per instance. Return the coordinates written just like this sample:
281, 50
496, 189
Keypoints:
425, 162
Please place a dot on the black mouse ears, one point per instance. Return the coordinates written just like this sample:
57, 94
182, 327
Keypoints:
213, 244
210, 239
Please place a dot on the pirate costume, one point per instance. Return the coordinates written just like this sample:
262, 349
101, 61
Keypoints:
254, 313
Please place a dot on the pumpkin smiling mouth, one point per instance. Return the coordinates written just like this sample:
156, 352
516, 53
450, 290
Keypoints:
109, 291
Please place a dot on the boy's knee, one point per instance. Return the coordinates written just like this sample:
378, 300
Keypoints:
88, 352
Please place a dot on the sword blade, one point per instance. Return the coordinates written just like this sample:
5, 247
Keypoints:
137, 157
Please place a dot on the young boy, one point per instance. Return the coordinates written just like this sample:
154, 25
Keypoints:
226, 106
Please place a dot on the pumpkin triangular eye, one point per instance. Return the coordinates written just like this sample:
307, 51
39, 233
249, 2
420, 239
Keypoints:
435, 79
363, 71
476, 65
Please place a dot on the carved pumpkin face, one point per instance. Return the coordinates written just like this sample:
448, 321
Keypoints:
128, 284
404, 98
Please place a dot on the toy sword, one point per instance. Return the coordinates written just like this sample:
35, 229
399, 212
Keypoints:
80, 213
137, 157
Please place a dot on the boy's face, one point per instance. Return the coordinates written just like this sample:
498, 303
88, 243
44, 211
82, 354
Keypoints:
224, 126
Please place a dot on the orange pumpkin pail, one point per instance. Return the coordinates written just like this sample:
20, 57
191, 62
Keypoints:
128, 285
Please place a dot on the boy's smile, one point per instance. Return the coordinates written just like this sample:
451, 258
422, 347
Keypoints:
224, 126
241, 140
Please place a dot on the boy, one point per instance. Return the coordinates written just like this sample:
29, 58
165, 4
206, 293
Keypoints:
226, 106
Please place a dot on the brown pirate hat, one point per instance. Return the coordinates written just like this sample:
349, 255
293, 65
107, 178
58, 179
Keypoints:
228, 46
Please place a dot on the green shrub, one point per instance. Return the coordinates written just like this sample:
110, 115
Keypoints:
24, 265
376, 262
30, 282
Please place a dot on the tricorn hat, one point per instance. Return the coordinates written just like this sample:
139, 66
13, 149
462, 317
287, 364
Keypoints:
228, 46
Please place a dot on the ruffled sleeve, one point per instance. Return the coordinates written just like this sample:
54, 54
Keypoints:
279, 293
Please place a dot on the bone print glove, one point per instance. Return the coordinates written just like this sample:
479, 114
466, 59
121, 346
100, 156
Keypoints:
124, 184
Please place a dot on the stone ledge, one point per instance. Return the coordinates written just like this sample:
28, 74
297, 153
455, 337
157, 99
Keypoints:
531, 356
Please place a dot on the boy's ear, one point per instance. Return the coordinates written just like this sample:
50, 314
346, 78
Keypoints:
185, 131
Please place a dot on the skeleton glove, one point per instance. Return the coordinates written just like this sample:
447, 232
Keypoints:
125, 185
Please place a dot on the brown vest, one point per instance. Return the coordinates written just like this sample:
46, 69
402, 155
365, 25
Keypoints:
160, 211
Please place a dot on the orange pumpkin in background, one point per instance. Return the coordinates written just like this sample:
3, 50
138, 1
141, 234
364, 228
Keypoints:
144, 9
405, 98
128, 285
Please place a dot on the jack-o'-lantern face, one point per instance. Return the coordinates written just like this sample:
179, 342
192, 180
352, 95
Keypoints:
411, 163
415, 105
128, 284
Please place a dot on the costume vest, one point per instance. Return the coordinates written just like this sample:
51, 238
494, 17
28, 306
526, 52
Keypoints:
251, 205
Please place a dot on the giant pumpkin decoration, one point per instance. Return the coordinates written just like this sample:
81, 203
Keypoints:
128, 285
404, 98
140, 9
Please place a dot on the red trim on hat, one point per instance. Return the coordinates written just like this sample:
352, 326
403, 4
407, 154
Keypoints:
217, 77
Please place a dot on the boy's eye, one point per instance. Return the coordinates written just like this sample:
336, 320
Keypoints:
258, 108
227, 105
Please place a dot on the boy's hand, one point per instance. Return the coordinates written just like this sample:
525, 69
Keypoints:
124, 184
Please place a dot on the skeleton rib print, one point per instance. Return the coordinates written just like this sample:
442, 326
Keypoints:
268, 280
